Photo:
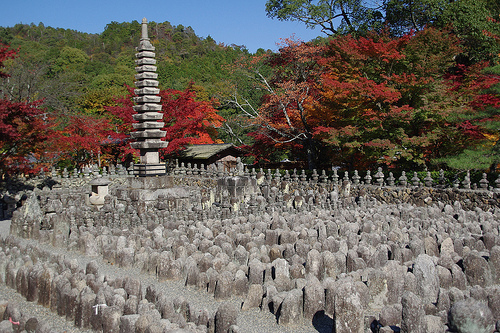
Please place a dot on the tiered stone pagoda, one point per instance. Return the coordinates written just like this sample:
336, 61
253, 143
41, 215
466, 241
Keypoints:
148, 132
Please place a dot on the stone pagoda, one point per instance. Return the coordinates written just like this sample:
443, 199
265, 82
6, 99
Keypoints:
148, 132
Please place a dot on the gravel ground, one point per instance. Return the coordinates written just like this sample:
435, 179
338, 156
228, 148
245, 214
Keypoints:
30, 310
248, 321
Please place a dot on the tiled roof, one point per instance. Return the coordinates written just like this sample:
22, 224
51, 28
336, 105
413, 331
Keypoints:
202, 152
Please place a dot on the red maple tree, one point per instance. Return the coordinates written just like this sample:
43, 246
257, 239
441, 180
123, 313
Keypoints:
284, 124
23, 130
384, 100
187, 120
82, 140
356, 101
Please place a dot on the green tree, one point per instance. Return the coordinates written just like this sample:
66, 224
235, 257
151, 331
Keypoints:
332, 16
116, 35
479, 88
71, 59
406, 15
472, 21
26, 72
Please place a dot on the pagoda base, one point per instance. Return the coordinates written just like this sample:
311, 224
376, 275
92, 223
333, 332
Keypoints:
149, 170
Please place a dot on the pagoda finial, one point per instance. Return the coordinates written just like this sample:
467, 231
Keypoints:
144, 35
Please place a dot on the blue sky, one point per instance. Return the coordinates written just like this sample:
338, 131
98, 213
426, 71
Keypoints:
240, 22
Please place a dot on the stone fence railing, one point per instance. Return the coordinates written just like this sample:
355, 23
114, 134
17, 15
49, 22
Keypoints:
78, 178
280, 187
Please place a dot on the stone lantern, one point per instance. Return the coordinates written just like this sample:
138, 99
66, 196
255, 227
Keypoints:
99, 191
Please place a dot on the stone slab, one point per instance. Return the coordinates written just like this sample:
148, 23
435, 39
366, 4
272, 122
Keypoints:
149, 170
157, 144
147, 98
151, 183
148, 125
146, 75
143, 195
149, 133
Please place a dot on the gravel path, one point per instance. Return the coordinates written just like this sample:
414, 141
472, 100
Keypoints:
248, 321
30, 309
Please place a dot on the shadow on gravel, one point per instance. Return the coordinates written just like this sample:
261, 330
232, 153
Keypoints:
14, 186
322, 322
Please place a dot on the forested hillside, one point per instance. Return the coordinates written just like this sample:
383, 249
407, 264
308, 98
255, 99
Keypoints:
390, 91
75, 77
79, 71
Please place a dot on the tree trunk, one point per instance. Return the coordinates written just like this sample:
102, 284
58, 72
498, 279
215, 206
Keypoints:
311, 152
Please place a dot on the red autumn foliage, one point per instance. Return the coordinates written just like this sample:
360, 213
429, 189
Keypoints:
283, 120
472, 85
187, 120
472, 131
22, 134
84, 139
394, 107
5, 53
374, 99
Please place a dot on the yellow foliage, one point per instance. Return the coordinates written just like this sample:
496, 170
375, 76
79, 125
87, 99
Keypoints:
491, 137
95, 101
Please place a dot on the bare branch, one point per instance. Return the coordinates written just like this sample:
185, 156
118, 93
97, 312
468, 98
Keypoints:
229, 129
271, 91
235, 102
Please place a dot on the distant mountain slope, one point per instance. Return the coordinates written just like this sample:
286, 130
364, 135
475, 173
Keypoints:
74, 71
